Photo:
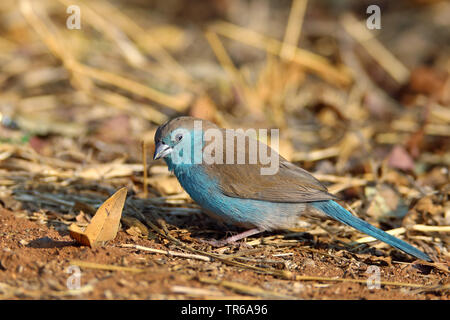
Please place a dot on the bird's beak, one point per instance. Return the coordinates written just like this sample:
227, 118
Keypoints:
161, 150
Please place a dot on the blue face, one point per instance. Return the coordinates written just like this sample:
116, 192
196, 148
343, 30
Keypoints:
181, 147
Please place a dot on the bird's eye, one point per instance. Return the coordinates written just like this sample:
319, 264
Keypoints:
178, 137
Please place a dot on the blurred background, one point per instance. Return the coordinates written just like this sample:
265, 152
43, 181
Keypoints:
366, 110
85, 84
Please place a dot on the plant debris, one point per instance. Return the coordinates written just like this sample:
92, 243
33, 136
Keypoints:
365, 111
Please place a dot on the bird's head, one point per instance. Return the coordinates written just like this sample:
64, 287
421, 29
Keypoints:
180, 141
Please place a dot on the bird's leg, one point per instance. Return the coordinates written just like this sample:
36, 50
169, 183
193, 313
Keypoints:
234, 238
242, 235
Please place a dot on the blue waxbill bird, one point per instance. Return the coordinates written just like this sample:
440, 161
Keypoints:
240, 194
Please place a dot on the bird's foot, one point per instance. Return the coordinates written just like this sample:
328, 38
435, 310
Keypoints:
214, 243
232, 239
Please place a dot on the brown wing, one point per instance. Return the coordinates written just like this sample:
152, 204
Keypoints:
290, 184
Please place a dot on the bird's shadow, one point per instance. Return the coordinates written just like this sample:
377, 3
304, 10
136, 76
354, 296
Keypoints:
47, 243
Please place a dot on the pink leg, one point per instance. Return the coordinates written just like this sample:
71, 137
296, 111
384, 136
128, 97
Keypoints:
234, 238
242, 235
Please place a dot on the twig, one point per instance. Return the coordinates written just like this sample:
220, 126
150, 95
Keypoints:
196, 291
384, 283
315, 155
398, 231
424, 228
241, 288
168, 252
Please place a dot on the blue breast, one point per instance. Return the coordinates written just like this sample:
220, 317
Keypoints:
250, 213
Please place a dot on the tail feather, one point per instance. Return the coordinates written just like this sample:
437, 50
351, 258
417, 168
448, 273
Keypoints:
337, 212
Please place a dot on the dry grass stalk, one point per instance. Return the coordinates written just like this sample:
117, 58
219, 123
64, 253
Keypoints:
402, 230
168, 252
316, 155
242, 288
57, 46
384, 57
127, 48
145, 40
121, 102
108, 267
8, 292
304, 58
177, 102
293, 28
363, 281
196, 292
246, 93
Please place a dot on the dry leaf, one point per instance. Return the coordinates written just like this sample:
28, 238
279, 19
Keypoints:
135, 227
104, 225
78, 234
428, 81
426, 205
385, 202
81, 218
400, 159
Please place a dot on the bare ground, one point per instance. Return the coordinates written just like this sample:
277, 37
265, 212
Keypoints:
34, 264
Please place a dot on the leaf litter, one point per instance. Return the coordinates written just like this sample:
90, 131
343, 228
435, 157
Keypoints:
79, 110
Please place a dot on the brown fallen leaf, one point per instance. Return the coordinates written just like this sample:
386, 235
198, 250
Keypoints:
426, 205
135, 227
78, 234
385, 202
105, 223
399, 158
428, 81
82, 218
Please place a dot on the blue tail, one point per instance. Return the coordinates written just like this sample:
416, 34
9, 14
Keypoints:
335, 211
